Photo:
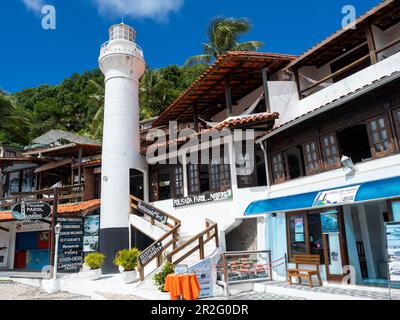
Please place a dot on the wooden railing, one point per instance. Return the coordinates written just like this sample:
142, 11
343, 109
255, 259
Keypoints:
202, 238
173, 232
64, 194
350, 66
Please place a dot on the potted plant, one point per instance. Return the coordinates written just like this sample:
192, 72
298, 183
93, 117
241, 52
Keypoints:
128, 261
159, 278
94, 261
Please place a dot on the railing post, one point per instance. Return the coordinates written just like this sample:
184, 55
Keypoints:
141, 273
201, 247
224, 261
216, 236
175, 237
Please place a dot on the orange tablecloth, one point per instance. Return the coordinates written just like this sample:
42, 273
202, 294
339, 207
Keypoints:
186, 285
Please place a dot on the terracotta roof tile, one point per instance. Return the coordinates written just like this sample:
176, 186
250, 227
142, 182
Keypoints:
78, 207
6, 216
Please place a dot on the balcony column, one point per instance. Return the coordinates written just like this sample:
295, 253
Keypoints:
264, 72
228, 97
371, 44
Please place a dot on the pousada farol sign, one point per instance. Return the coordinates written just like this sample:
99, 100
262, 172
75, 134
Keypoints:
31, 211
206, 197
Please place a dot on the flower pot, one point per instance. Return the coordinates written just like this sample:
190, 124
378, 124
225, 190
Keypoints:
94, 274
129, 276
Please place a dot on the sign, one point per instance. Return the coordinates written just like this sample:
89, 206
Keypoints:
330, 222
70, 244
203, 271
299, 230
152, 212
91, 233
150, 253
31, 211
32, 225
181, 269
393, 248
336, 196
207, 197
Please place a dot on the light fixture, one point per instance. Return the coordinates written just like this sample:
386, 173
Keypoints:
347, 163
57, 228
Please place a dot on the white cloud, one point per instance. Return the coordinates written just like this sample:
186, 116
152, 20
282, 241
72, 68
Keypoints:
153, 9
34, 5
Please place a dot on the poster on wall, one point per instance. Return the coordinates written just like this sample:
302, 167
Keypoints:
393, 250
330, 222
70, 244
91, 234
336, 196
299, 230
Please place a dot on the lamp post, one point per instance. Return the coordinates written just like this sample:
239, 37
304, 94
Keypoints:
57, 231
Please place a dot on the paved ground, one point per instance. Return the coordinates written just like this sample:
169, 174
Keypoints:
15, 291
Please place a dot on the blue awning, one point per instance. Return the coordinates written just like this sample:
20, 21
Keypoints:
371, 190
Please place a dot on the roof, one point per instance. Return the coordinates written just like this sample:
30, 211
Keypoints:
208, 91
330, 105
6, 216
21, 160
384, 15
89, 163
232, 122
54, 136
67, 150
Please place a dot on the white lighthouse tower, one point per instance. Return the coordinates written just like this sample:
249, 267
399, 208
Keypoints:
121, 60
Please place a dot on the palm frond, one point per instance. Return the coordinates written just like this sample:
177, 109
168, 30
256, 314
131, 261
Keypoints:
199, 59
248, 46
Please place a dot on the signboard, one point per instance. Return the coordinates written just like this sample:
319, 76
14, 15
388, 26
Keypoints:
150, 252
152, 212
32, 225
336, 196
31, 211
91, 233
207, 197
299, 230
70, 244
393, 249
330, 222
203, 271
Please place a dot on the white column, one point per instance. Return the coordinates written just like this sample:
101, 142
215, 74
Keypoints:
366, 241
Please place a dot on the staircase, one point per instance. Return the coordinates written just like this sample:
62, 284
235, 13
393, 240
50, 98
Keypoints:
171, 245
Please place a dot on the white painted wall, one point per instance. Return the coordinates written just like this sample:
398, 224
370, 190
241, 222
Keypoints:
384, 37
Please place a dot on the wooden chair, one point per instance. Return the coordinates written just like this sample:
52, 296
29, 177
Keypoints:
305, 259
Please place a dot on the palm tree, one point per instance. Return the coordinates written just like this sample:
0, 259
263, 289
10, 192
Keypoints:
95, 129
223, 35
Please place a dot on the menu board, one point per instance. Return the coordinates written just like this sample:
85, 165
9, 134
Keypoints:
203, 271
70, 245
393, 248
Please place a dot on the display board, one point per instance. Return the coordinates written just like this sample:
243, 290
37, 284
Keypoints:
330, 222
70, 246
203, 271
393, 250
91, 233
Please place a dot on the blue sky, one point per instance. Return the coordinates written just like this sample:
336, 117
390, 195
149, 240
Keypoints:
169, 31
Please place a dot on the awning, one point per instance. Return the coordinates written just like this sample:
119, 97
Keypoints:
362, 192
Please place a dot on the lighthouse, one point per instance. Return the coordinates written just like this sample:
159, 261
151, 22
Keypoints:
122, 63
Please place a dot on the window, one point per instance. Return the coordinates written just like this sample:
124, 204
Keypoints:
294, 162
396, 115
193, 178
354, 143
278, 169
311, 157
160, 182
379, 136
305, 234
220, 177
178, 181
330, 152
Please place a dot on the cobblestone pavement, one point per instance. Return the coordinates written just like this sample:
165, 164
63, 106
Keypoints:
16, 291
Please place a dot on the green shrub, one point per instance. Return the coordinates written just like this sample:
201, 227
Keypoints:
128, 259
95, 260
159, 278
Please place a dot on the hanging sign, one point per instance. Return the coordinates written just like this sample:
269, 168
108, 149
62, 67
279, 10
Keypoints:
336, 196
152, 212
207, 197
70, 245
150, 253
330, 222
31, 211
393, 250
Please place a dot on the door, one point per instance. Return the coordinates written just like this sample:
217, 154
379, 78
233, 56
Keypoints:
333, 237
137, 184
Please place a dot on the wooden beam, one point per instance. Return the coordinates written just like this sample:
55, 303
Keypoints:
371, 44
264, 72
228, 96
195, 118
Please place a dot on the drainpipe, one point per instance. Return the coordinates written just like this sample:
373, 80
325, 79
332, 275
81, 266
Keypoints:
264, 149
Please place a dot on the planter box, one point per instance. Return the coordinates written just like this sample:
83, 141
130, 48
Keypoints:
94, 274
129, 276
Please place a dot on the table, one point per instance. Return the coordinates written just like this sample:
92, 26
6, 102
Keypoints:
185, 285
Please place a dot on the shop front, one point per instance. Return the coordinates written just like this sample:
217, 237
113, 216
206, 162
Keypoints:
344, 226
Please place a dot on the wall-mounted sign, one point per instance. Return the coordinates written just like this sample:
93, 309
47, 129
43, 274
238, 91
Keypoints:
32, 225
70, 245
336, 196
152, 212
393, 247
330, 222
91, 233
31, 211
150, 252
207, 197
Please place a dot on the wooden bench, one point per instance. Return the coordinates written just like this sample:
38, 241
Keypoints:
305, 259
